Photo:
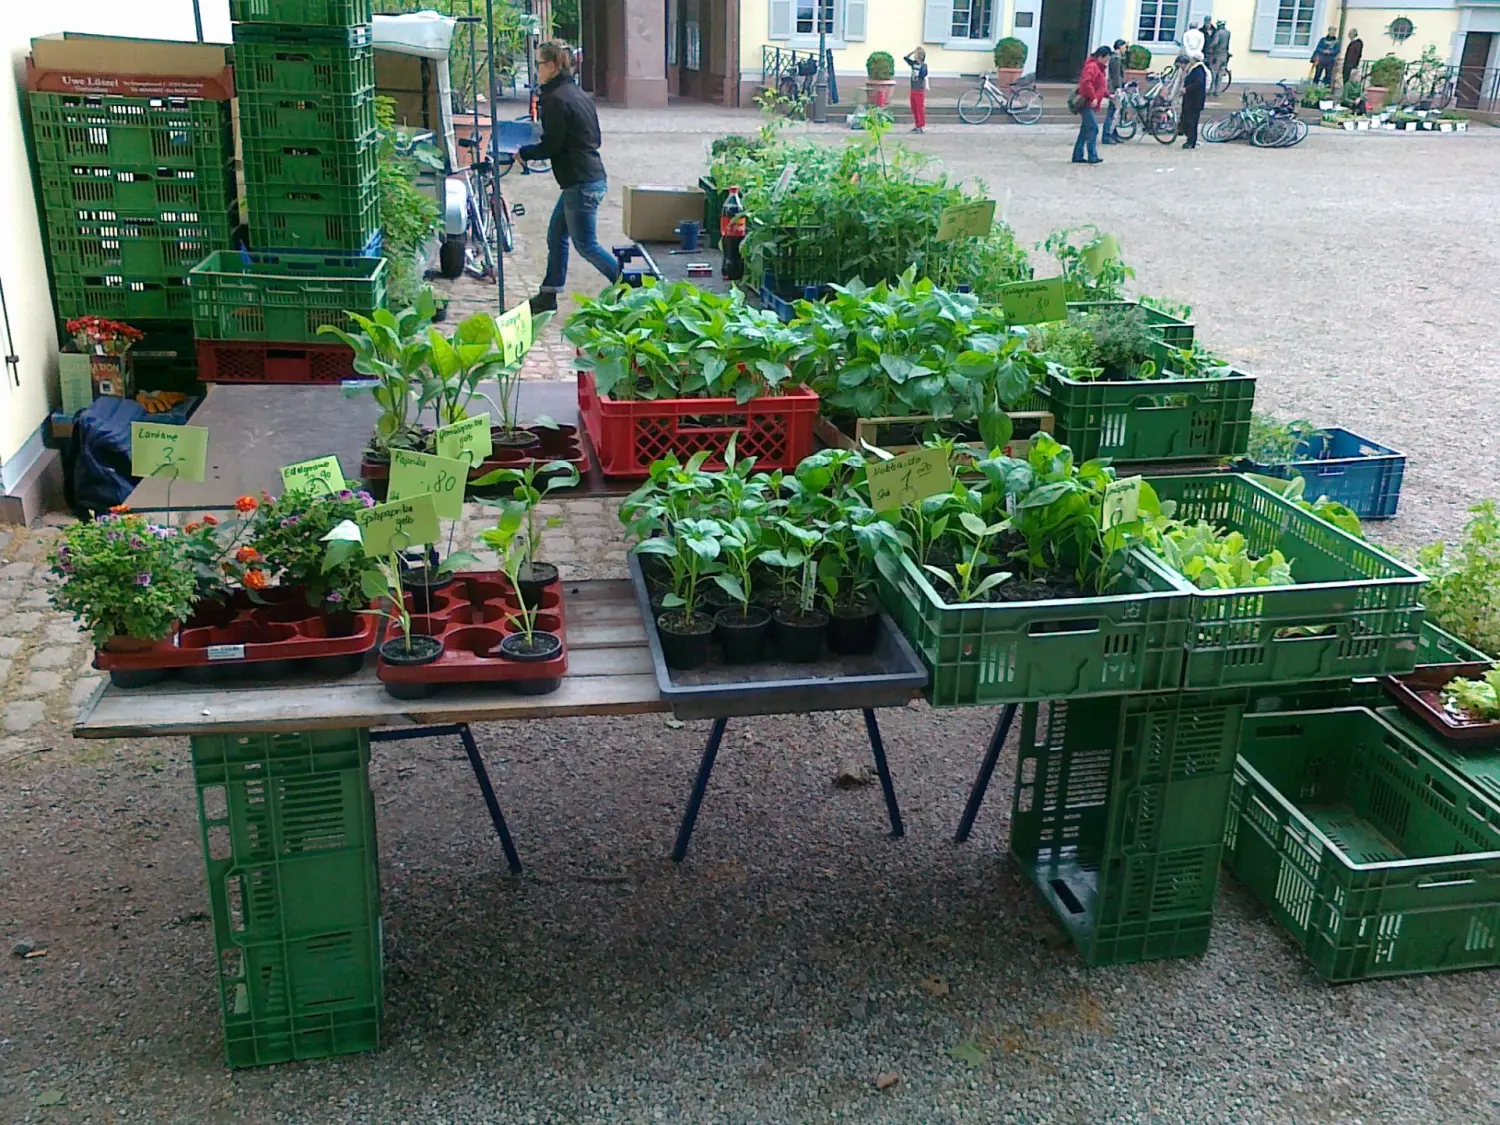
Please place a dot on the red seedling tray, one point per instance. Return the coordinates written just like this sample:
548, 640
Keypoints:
226, 638
564, 443
776, 430
1420, 695
466, 641
250, 361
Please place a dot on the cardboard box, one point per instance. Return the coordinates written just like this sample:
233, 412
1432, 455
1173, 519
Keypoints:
652, 213
75, 376
71, 63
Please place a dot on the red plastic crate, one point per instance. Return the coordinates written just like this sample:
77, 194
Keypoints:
776, 430
251, 361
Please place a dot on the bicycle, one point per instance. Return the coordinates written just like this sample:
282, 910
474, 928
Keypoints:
489, 233
1021, 100
1130, 112
1220, 78
1160, 106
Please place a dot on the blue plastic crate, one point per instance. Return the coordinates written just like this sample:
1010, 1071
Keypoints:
373, 249
780, 305
1359, 474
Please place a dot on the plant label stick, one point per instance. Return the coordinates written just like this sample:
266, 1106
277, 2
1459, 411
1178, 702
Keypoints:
173, 452
471, 436
398, 524
908, 479
1035, 302
320, 477
413, 474
966, 220
1122, 503
514, 330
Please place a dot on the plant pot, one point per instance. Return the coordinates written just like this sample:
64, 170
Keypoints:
715, 598
514, 439
535, 577
1007, 75
422, 583
743, 635
878, 91
800, 636
685, 641
853, 628
1374, 98
339, 622
1139, 76
424, 650
123, 644
543, 646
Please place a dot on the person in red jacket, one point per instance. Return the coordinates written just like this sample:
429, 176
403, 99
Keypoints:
1093, 92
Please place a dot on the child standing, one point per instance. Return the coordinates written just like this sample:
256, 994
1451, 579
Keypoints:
917, 60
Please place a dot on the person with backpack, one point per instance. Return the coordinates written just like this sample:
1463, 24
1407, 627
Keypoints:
1086, 101
1116, 74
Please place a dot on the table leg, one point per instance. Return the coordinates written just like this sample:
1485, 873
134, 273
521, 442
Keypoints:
982, 782
705, 769
873, 729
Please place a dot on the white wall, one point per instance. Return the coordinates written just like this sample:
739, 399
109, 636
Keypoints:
23, 268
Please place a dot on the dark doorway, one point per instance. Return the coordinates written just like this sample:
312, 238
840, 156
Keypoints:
1063, 41
1471, 64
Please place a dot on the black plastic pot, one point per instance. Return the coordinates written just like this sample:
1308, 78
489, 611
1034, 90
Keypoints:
543, 646
714, 597
515, 439
743, 635
422, 583
853, 628
685, 641
535, 577
424, 650
799, 636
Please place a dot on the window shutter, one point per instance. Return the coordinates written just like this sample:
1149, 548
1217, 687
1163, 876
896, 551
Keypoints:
1263, 36
781, 19
854, 19
938, 26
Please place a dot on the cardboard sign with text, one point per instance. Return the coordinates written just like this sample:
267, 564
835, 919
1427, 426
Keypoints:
514, 331
413, 474
1122, 502
1035, 302
467, 441
168, 452
398, 525
966, 220
907, 479
322, 476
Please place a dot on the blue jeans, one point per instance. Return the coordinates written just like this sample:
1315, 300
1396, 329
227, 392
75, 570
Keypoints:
1109, 121
576, 216
1086, 146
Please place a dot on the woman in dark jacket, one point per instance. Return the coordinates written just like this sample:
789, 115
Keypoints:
1194, 94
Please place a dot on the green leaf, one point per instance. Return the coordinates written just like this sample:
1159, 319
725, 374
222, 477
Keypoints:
444, 358
969, 1053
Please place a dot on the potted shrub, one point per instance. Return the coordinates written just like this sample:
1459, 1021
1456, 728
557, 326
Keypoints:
1137, 63
124, 578
1386, 74
1010, 60
381, 585
743, 627
880, 77
800, 625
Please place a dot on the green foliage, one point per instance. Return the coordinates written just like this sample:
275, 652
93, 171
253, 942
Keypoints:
1353, 91
392, 349
1086, 280
1312, 94
531, 484
880, 66
1463, 591
1119, 343
1273, 442
1476, 699
123, 576
1010, 53
1293, 489
1387, 73
1213, 559
289, 531
1137, 57
408, 216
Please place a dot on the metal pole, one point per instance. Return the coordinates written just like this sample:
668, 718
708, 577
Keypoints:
489, 28
820, 85
198, 19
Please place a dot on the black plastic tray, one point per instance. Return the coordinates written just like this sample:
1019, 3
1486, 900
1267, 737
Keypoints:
890, 676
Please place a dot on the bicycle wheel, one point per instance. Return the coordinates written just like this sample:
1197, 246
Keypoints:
975, 107
1162, 123
1226, 81
1271, 133
1025, 106
1217, 132
504, 228
1127, 123
1295, 134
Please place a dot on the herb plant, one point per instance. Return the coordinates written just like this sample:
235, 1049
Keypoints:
289, 532
1475, 699
408, 215
392, 349
1086, 279
1463, 590
1273, 442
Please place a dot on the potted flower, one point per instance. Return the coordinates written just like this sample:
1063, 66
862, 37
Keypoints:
1385, 75
1137, 63
691, 549
532, 574
880, 78
528, 644
1010, 60
223, 561
125, 578
106, 343
289, 532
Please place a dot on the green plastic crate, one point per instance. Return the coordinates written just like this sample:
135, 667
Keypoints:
304, 218
1154, 419
1365, 603
1007, 652
156, 132
275, 59
713, 204
1119, 814
322, 164
288, 825
308, 13
149, 248
1436, 646
1477, 765
276, 118
121, 297
1174, 332
282, 298
1370, 852
78, 192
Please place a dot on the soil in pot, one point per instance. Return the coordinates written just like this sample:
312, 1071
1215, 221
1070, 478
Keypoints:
535, 577
541, 646
423, 583
514, 439
743, 633
685, 641
853, 627
799, 636
408, 652
715, 598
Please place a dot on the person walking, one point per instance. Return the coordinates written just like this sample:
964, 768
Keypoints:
917, 60
1324, 55
1116, 75
1194, 94
1089, 98
570, 139
1354, 54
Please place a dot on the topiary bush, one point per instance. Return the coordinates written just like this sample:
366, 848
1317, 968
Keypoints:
1010, 54
1137, 57
880, 66
1387, 73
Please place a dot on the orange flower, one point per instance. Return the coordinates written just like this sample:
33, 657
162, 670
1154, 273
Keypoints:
255, 580
192, 527
247, 555
120, 509
210, 520
246, 504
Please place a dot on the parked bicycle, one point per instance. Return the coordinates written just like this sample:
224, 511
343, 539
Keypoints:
1274, 125
1153, 111
1219, 77
1021, 100
488, 234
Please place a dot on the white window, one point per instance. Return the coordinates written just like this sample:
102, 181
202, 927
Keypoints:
973, 19
1158, 22
803, 21
964, 25
1286, 27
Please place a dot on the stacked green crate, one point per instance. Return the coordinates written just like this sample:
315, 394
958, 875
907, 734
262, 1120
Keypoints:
305, 75
289, 842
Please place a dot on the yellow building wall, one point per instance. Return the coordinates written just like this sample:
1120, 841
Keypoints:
894, 26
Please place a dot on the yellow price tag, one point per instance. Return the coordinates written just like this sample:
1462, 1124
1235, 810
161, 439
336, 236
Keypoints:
398, 525
1122, 502
1100, 252
468, 440
966, 220
907, 479
320, 477
168, 452
1035, 302
413, 474
514, 330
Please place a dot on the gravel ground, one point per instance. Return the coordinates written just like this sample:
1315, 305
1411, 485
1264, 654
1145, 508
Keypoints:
801, 953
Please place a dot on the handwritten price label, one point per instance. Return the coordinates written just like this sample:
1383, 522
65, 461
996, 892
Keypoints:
170, 452
966, 220
1122, 502
321, 477
1035, 302
413, 474
398, 525
908, 479
468, 440
514, 330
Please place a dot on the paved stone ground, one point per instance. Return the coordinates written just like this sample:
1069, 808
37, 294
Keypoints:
799, 953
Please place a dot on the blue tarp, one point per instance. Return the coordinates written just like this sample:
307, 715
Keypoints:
98, 459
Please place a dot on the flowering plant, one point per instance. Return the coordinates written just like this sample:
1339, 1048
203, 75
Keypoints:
102, 336
122, 575
220, 557
288, 532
